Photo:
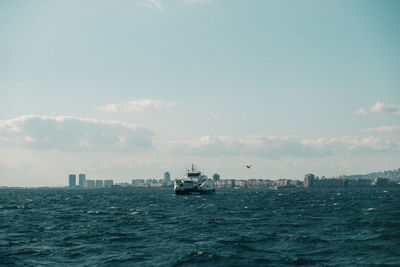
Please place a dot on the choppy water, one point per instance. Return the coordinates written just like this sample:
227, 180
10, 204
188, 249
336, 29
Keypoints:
154, 227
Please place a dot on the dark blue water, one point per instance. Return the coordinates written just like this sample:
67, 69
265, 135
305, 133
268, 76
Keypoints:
154, 227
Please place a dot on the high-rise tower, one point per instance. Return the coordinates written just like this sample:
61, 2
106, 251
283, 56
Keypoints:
72, 180
82, 180
167, 176
309, 180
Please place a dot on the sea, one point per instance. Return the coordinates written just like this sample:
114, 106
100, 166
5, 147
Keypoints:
234, 227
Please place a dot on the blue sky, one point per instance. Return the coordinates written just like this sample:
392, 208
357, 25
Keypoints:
130, 89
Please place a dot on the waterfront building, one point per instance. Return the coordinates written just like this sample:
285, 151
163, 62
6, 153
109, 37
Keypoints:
168, 184
155, 184
363, 182
225, 183
314, 182
138, 182
90, 184
167, 176
255, 183
238, 183
123, 184
381, 182
72, 180
309, 180
297, 183
82, 180
329, 183
108, 183
99, 183
281, 182
151, 181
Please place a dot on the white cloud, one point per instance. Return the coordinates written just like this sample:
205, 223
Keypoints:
152, 4
383, 129
370, 143
66, 133
197, 1
379, 107
109, 108
275, 147
137, 105
361, 111
158, 4
140, 105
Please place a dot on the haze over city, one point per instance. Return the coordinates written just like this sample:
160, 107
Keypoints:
131, 89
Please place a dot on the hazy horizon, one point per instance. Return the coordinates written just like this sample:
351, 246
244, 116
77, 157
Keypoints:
131, 89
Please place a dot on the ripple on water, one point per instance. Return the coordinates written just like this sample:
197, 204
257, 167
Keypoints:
154, 227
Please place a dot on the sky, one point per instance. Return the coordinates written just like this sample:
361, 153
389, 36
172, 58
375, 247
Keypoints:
130, 89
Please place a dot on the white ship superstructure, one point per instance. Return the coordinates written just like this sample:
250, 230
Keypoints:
194, 183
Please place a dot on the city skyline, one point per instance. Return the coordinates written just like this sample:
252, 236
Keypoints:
134, 88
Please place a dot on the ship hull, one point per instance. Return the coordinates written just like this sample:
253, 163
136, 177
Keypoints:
194, 192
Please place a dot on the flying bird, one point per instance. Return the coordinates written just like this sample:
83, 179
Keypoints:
247, 166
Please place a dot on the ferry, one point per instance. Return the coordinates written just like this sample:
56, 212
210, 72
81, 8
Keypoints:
194, 183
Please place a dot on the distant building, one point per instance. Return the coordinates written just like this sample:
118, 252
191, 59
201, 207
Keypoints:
381, 182
309, 180
151, 181
108, 183
82, 180
238, 183
138, 182
256, 183
72, 180
99, 184
298, 183
90, 183
155, 184
283, 183
123, 184
225, 183
357, 182
329, 183
167, 176
216, 177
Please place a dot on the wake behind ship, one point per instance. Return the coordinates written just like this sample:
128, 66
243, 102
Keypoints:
194, 183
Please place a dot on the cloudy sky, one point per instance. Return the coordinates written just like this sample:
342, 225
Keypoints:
130, 89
